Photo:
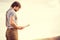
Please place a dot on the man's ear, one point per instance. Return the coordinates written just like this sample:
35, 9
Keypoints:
14, 7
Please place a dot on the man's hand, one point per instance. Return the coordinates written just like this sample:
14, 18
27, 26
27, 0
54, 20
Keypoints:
20, 28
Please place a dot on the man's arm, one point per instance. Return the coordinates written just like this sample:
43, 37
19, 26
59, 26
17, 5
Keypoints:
14, 24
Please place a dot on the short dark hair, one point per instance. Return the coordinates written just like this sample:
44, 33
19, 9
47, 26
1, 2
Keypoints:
16, 3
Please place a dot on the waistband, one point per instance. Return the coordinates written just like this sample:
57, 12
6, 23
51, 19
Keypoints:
11, 29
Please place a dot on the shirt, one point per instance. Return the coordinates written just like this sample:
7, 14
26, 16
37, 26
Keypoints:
9, 14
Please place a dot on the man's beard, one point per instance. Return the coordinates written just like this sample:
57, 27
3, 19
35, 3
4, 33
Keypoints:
15, 10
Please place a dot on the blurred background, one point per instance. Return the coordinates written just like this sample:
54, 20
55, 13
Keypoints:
42, 15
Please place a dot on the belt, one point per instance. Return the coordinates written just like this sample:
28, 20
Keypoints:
9, 27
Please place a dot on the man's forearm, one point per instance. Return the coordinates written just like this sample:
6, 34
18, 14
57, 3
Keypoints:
14, 25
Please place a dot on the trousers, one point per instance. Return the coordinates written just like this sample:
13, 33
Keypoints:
11, 34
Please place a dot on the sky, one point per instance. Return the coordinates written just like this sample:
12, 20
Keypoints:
42, 15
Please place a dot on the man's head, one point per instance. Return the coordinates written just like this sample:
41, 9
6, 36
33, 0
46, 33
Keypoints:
16, 6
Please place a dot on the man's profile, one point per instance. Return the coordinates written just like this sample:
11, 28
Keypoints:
11, 22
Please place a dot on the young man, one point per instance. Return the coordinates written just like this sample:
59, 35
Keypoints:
11, 22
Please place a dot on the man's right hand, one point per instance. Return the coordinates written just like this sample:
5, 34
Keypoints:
20, 28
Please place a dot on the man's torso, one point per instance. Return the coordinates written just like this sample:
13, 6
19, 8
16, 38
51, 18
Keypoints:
10, 13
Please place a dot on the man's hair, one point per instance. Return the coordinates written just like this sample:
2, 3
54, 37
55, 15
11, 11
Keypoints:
16, 3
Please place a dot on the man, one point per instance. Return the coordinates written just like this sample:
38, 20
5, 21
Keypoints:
11, 22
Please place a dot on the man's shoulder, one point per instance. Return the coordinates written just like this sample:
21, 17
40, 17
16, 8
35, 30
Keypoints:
10, 11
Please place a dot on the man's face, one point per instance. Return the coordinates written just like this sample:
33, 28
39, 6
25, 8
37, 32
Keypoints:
16, 9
